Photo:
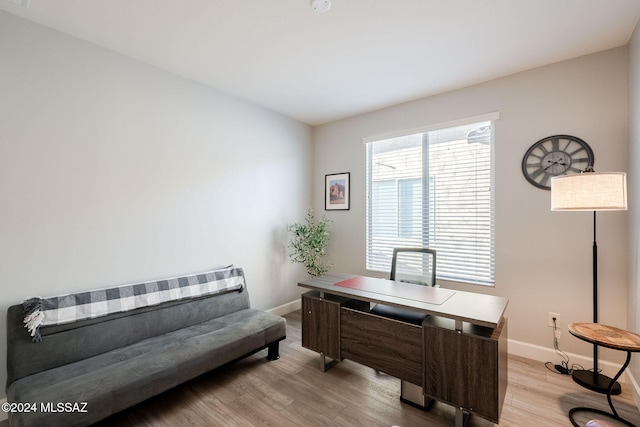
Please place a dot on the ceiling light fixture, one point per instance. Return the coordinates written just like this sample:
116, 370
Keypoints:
320, 6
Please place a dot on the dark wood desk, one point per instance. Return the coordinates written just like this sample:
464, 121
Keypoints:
458, 355
611, 337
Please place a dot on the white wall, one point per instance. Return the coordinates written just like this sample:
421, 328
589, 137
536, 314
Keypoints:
633, 183
113, 172
543, 258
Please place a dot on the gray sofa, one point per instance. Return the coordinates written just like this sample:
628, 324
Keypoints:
85, 371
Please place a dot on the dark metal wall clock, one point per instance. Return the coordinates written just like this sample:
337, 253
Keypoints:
555, 155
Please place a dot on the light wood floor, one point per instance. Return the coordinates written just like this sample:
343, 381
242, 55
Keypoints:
293, 392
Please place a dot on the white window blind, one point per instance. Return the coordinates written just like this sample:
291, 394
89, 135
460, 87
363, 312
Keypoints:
434, 189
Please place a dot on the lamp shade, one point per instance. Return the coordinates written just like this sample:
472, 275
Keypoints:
589, 191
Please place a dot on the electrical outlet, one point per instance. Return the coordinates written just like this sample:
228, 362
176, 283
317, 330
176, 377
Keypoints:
550, 319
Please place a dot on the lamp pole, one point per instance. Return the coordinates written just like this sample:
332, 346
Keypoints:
595, 297
594, 380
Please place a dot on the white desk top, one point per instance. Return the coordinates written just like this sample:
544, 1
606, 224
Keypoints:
477, 309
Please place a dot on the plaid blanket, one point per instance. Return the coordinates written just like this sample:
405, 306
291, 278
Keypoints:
87, 305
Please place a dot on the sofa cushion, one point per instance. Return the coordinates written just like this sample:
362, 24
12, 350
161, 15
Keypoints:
123, 377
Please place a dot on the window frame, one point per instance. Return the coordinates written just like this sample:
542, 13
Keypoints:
484, 280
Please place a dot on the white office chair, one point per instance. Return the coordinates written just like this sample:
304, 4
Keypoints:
412, 265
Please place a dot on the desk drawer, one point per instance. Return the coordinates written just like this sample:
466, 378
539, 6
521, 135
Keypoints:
384, 344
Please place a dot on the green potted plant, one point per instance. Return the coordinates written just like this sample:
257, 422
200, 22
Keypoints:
309, 243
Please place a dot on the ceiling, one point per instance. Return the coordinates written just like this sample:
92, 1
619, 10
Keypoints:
359, 56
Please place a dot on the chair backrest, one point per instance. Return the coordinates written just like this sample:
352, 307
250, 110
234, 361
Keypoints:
414, 265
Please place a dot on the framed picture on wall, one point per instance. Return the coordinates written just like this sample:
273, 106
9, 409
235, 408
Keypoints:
337, 191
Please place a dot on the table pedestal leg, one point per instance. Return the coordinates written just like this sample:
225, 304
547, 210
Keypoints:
614, 413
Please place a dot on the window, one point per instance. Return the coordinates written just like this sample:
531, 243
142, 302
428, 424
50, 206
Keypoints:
434, 188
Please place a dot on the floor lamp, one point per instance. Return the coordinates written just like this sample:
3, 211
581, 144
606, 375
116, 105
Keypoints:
591, 191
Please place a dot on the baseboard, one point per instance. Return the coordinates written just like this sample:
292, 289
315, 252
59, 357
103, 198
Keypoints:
287, 308
544, 354
635, 389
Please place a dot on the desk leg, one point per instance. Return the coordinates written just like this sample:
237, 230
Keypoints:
462, 417
324, 366
614, 413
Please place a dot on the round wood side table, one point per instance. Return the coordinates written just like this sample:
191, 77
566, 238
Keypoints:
610, 337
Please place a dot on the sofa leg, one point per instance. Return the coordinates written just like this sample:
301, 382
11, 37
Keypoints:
274, 351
